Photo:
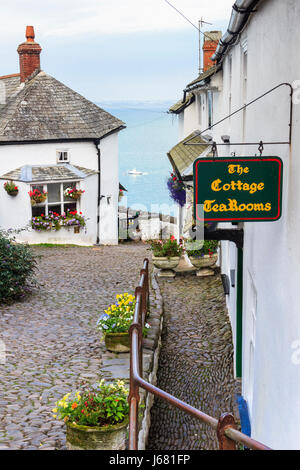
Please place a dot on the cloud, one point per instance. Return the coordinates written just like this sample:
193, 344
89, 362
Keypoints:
75, 18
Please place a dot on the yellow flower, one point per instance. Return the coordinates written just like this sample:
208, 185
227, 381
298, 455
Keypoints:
54, 416
54, 410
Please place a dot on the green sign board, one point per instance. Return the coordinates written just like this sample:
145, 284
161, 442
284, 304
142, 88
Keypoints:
238, 189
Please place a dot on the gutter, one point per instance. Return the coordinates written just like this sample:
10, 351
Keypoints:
62, 140
241, 12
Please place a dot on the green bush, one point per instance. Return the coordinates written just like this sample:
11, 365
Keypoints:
17, 266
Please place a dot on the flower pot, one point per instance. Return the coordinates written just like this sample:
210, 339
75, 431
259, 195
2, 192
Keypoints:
203, 261
13, 193
111, 437
165, 263
117, 342
75, 196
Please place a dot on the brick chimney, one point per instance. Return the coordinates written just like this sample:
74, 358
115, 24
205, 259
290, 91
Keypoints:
211, 39
29, 53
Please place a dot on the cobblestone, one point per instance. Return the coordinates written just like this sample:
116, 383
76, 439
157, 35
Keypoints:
195, 365
51, 341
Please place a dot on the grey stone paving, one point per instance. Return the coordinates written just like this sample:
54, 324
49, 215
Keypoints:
51, 341
196, 363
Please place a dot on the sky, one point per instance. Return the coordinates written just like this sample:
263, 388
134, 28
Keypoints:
119, 50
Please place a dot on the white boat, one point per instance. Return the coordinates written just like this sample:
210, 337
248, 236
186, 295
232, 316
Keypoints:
135, 172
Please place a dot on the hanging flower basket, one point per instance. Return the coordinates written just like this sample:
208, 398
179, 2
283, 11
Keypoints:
37, 197
73, 193
121, 194
11, 188
177, 190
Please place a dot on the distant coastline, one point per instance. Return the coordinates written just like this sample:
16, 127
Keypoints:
149, 105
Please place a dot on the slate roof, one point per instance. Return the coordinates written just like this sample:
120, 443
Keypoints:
182, 156
204, 76
46, 109
181, 105
9, 85
62, 171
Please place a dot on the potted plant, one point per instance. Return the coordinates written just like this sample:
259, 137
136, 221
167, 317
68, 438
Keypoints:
43, 223
73, 218
121, 194
115, 323
96, 418
176, 190
202, 254
166, 253
73, 193
11, 188
37, 197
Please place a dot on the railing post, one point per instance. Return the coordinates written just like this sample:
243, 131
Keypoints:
226, 420
134, 394
139, 297
144, 296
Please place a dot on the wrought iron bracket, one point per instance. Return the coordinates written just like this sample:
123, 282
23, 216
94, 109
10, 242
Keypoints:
233, 235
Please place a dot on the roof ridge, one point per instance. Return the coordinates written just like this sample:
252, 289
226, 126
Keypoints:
12, 75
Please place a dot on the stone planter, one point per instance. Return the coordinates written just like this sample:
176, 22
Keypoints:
117, 342
203, 263
166, 265
111, 437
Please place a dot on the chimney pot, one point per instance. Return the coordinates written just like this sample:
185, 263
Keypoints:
30, 33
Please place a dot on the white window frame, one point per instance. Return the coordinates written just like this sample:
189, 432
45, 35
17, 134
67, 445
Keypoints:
66, 156
62, 203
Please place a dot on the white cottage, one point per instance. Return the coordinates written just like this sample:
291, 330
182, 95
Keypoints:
53, 140
259, 57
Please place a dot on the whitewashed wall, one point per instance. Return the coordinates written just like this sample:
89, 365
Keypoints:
271, 320
15, 212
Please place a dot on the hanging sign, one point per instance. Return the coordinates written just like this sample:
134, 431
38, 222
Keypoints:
238, 189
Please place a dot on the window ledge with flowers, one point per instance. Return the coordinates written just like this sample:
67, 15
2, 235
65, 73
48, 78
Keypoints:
55, 206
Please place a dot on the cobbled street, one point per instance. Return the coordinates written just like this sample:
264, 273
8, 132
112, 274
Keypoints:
51, 341
195, 363
52, 345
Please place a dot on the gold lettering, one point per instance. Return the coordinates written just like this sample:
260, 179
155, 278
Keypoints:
268, 206
215, 185
258, 207
232, 205
207, 205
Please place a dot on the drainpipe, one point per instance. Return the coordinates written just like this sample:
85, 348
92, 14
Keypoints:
97, 145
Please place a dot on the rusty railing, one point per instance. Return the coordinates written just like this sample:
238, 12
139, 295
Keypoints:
225, 427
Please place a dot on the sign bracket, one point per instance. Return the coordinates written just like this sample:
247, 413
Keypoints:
188, 141
233, 235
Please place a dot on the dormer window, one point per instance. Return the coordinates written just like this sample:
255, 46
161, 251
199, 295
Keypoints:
63, 156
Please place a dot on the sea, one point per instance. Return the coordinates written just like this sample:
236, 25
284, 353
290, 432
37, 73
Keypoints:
150, 133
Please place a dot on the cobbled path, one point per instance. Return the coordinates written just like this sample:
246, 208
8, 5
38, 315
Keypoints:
51, 341
196, 363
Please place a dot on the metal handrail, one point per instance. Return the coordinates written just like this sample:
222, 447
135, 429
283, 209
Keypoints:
225, 427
